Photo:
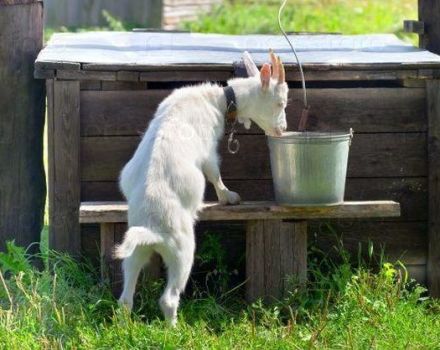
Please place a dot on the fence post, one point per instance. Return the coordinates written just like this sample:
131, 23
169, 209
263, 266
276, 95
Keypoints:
22, 180
429, 14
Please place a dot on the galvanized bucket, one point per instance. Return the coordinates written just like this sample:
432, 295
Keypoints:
309, 168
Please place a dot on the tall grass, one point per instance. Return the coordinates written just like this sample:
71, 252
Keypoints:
341, 16
63, 307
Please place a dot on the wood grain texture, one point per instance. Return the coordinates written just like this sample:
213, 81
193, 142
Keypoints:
85, 75
189, 75
22, 103
404, 241
411, 193
433, 107
364, 110
18, 2
429, 13
64, 164
371, 155
276, 252
116, 212
107, 236
120, 51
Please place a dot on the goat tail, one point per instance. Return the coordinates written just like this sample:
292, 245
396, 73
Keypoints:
135, 236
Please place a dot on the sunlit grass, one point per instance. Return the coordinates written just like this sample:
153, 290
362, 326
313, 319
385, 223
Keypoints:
337, 16
63, 307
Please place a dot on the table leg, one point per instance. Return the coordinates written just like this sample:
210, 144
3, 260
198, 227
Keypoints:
274, 251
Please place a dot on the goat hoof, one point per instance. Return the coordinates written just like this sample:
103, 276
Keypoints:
231, 198
126, 304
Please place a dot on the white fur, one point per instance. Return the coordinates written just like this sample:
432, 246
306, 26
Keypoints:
164, 181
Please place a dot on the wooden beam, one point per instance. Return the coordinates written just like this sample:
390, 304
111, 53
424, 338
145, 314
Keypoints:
99, 212
22, 103
433, 108
416, 27
64, 171
429, 13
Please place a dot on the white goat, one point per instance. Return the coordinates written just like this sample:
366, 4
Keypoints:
164, 181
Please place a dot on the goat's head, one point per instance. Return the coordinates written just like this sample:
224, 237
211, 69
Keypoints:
267, 96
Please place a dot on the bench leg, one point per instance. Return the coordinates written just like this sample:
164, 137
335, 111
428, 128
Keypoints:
274, 251
107, 237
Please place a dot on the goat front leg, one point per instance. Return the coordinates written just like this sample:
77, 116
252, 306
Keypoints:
212, 172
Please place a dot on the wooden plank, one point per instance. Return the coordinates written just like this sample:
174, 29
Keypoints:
85, 75
57, 65
276, 252
64, 182
272, 260
416, 27
127, 76
384, 109
190, 76
22, 103
120, 86
371, 155
18, 2
404, 241
433, 107
429, 13
122, 50
44, 74
411, 193
90, 85
254, 256
107, 245
96, 212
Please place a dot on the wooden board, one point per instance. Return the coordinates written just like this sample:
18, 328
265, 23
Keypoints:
64, 167
124, 113
433, 107
404, 241
275, 252
18, 2
22, 103
411, 193
429, 13
116, 212
371, 155
147, 51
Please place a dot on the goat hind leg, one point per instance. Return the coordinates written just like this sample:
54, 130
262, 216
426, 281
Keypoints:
131, 267
179, 262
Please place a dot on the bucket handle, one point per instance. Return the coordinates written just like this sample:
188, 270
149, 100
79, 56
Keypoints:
351, 136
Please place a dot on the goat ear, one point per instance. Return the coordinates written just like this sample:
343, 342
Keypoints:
275, 65
282, 75
265, 75
251, 67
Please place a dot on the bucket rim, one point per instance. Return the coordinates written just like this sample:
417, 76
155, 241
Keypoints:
311, 136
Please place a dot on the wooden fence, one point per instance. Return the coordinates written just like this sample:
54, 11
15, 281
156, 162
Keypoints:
147, 13
144, 13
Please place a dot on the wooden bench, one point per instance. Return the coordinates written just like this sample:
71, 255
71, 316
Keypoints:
275, 248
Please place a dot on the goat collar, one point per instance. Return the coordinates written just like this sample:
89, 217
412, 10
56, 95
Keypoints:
231, 104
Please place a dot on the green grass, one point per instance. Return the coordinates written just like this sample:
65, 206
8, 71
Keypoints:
341, 16
62, 307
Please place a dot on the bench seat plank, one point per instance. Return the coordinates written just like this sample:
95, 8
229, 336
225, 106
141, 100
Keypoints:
116, 212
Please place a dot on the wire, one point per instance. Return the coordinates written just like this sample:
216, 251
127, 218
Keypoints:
303, 80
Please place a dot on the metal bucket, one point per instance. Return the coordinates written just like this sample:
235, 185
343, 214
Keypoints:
309, 168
